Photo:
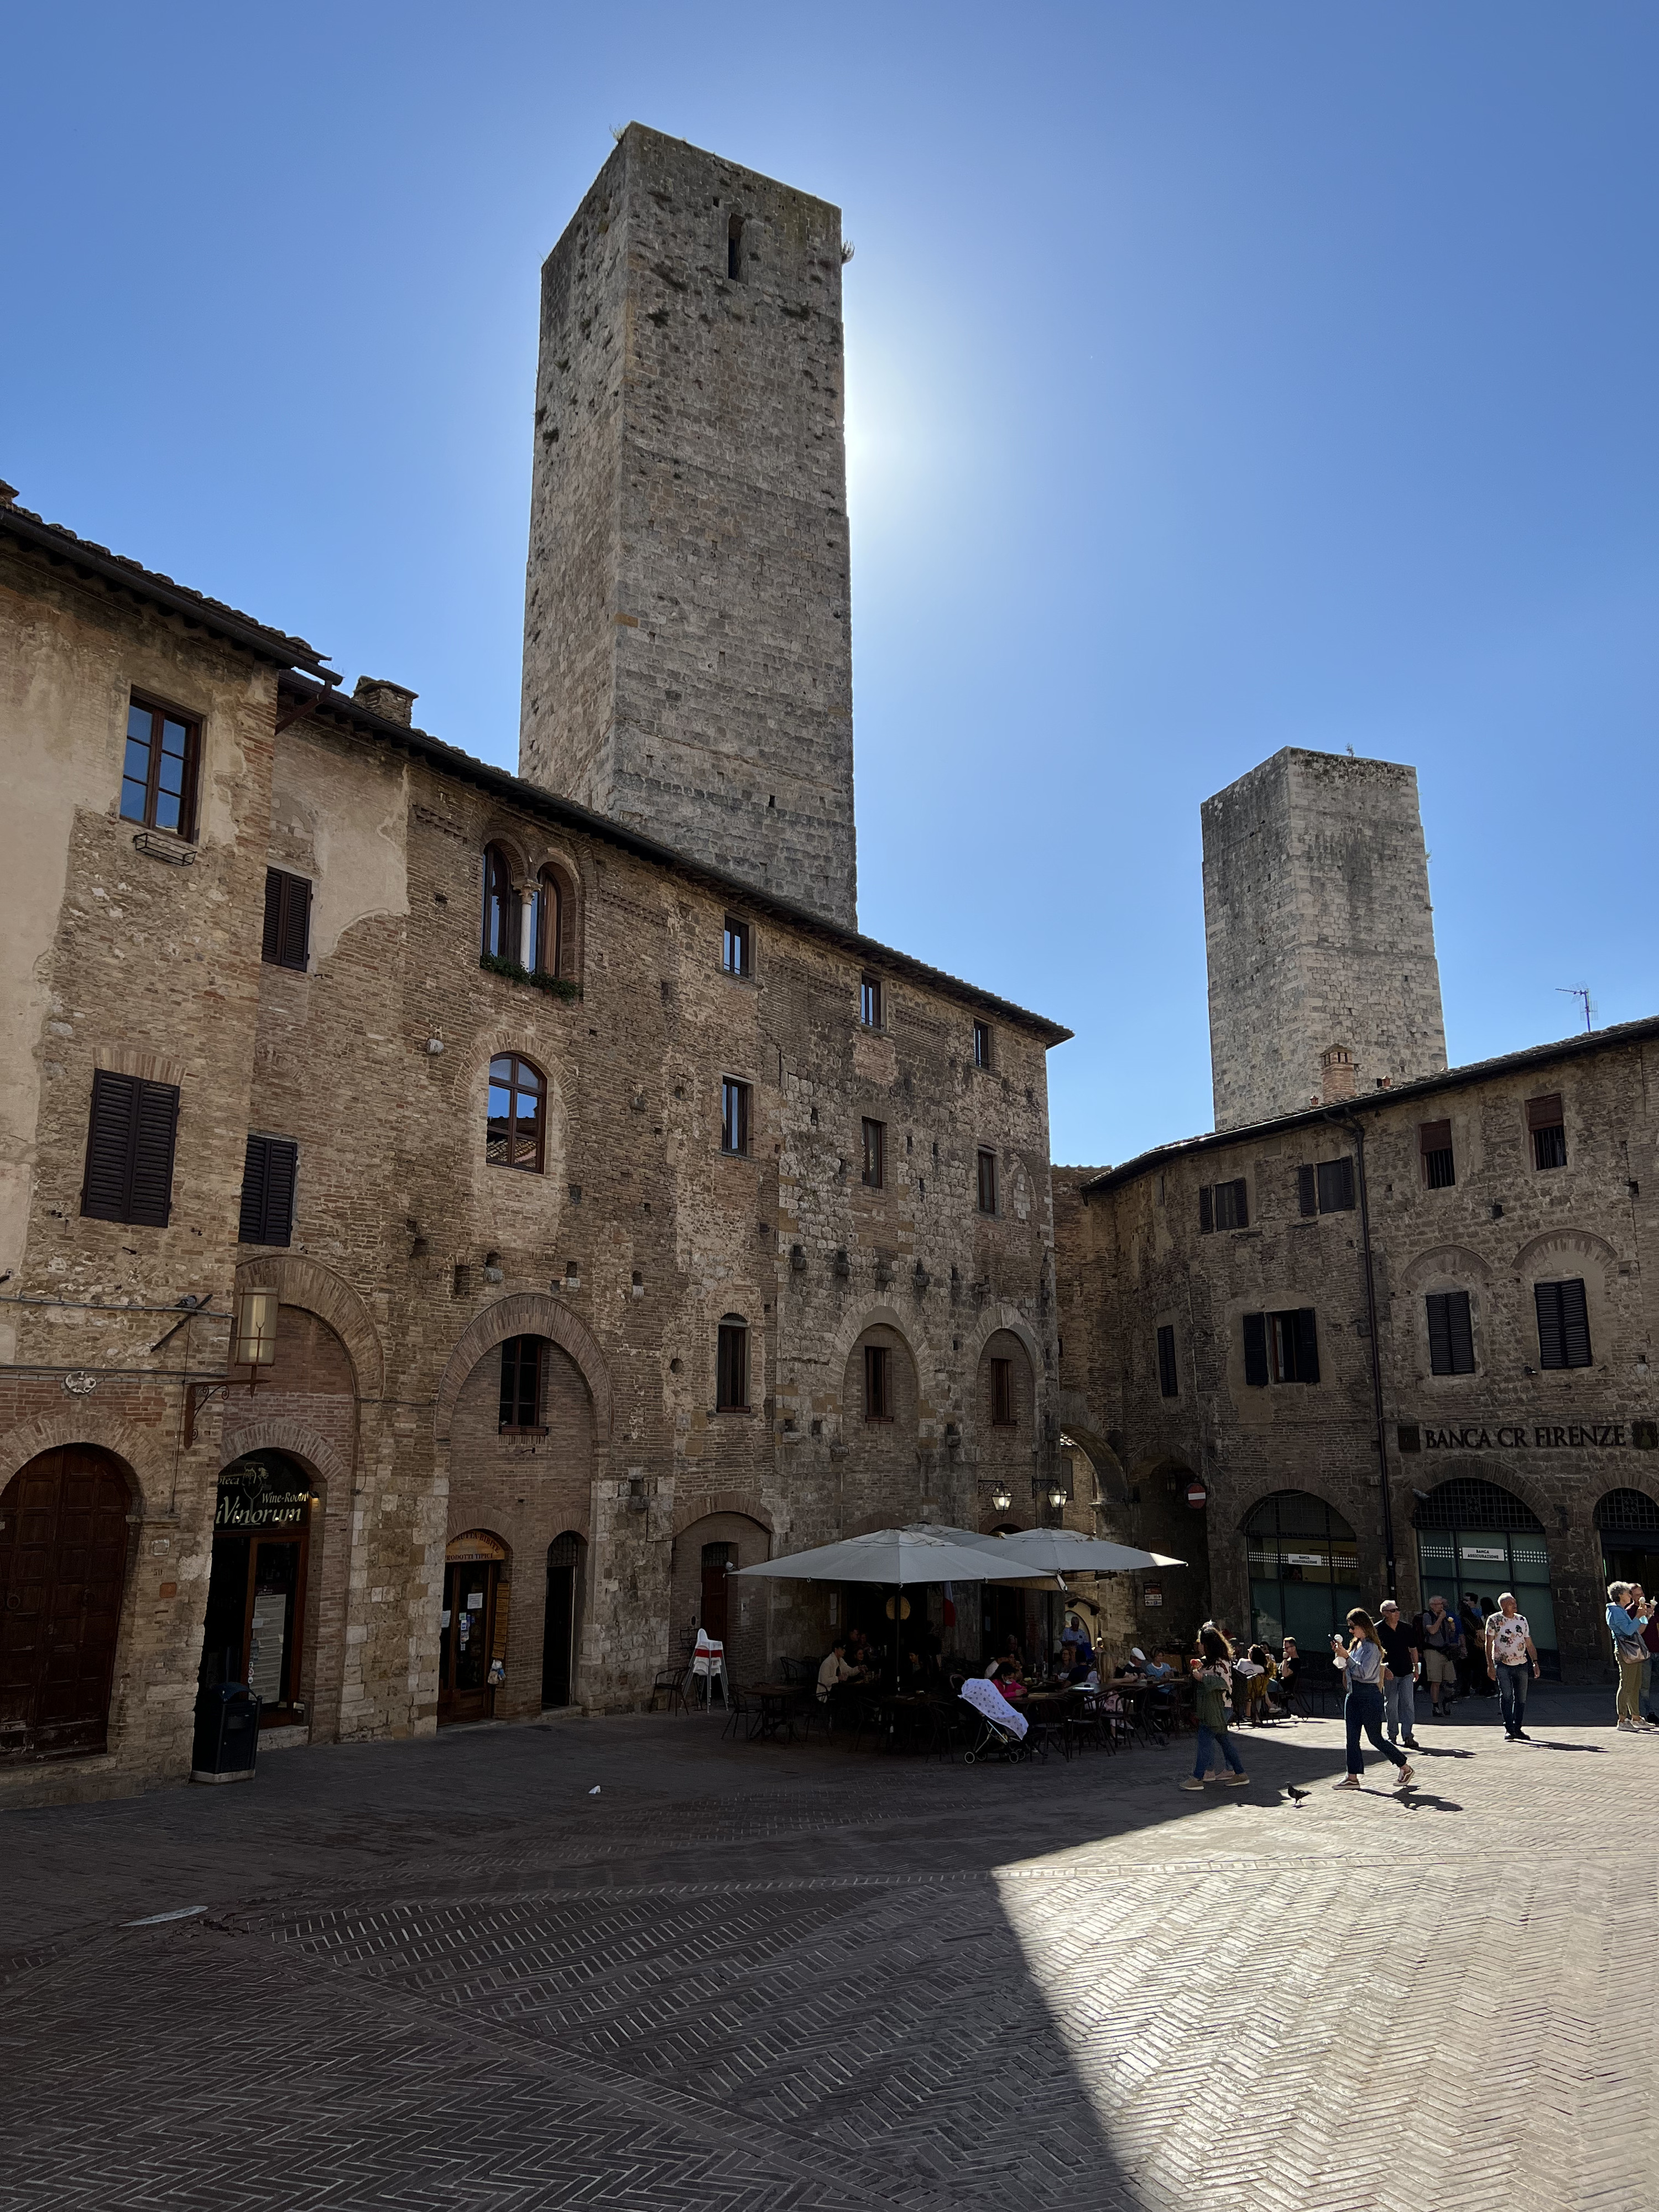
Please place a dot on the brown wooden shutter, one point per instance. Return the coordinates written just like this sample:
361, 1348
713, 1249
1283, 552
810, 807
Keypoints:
1256, 1349
270, 943
1440, 1347
1307, 1190
1435, 1136
269, 1170
1240, 1204
287, 936
154, 1133
1545, 1113
1335, 1186
107, 1182
1306, 1346
1459, 1331
1205, 1210
1552, 1348
1574, 1324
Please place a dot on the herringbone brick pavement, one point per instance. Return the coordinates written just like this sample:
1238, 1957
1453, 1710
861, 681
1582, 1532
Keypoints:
757, 1976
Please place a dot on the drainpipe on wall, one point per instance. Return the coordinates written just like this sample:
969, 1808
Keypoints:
1359, 1132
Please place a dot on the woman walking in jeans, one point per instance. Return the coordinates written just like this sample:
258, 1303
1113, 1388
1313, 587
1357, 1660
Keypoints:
1214, 1672
1361, 1659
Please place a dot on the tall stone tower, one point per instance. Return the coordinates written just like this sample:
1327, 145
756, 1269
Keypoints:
1320, 936
688, 657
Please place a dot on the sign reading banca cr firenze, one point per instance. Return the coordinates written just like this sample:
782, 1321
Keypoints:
1532, 1435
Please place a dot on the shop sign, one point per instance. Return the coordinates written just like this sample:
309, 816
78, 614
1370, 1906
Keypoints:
1303, 1558
1537, 1436
257, 1496
1153, 1594
1482, 1552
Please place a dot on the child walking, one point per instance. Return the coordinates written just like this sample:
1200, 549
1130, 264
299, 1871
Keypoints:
1214, 1673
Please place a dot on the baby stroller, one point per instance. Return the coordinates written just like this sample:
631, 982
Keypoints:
1004, 1732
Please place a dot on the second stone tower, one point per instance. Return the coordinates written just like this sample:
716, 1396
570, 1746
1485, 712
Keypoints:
688, 655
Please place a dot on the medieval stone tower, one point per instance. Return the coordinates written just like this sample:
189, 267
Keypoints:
1320, 936
687, 659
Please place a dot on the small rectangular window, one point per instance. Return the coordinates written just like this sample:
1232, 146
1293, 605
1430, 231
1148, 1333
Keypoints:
522, 1382
731, 1368
159, 770
1562, 1324
1451, 1335
735, 957
1169, 1382
870, 997
1548, 1131
268, 1177
1002, 1394
1434, 1143
286, 940
130, 1134
982, 1044
988, 1182
734, 1115
875, 1154
878, 1382
1281, 1347
1224, 1206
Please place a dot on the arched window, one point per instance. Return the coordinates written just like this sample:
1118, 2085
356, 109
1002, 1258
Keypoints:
732, 1365
1476, 1539
548, 937
1304, 1569
517, 1102
734, 248
501, 907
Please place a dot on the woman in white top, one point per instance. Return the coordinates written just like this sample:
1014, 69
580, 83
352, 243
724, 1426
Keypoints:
1361, 1660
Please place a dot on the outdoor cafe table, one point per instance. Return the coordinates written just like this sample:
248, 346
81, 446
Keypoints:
779, 1702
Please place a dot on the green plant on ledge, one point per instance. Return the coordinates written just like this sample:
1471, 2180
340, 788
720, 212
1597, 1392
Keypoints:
557, 986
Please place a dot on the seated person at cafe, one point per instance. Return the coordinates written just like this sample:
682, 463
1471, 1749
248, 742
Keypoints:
1290, 1666
1010, 1678
834, 1671
1153, 1670
1078, 1653
921, 1670
1257, 1671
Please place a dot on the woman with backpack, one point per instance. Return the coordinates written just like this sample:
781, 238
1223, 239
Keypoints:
1213, 1669
1361, 1661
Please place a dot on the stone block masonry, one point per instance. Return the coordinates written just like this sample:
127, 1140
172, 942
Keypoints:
688, 656
1319, 935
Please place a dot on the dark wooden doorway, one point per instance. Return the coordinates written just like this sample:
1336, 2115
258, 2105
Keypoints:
466, 1640
65, 1539
716, 1559
255, 1628
564, 1593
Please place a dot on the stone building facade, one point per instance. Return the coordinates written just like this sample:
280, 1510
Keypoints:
688, 663
687, 1236
1319, 935
1399, 1341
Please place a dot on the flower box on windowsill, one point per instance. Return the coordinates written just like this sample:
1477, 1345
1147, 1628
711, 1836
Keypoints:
557, 986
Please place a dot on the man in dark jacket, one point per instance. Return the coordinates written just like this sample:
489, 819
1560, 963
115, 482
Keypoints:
1399, 1655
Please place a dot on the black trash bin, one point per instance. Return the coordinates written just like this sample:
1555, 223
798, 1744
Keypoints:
227, 1734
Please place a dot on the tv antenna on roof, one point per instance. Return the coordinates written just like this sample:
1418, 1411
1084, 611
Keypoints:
1579, 991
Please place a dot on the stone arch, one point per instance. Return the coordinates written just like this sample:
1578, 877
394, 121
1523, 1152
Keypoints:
1643, 1484
875, 1317
145, 1453
1257, 1492
299, 1281
512, 839
1547, 1508
706, 1504
527, 1313
1458, 1261
995, 1315
299, 1443
1573, 1243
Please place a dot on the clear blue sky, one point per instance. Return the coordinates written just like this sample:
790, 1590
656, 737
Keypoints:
1220, 377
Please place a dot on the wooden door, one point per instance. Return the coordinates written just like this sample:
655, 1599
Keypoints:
63, 1544
466, 1640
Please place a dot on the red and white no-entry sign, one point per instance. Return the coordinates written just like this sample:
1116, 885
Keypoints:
1197, 1495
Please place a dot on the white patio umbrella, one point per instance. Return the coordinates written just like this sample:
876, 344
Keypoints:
1065, 1551
901, 1558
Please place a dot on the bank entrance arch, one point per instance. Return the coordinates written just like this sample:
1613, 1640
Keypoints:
1475, 1540
1303, 1560
64, 1541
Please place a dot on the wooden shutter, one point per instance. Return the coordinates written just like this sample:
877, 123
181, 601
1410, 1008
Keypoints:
287, 937
1205, 1210
1435, 1136
1545, 1113
1307, 1190
1256, 1349
1440, 1345
1335, 1181
1574, 1324
1459, 1331
1552, 1348
1240, 1204
1306, 1346
1167, 1381
268, 1179
129, 1148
